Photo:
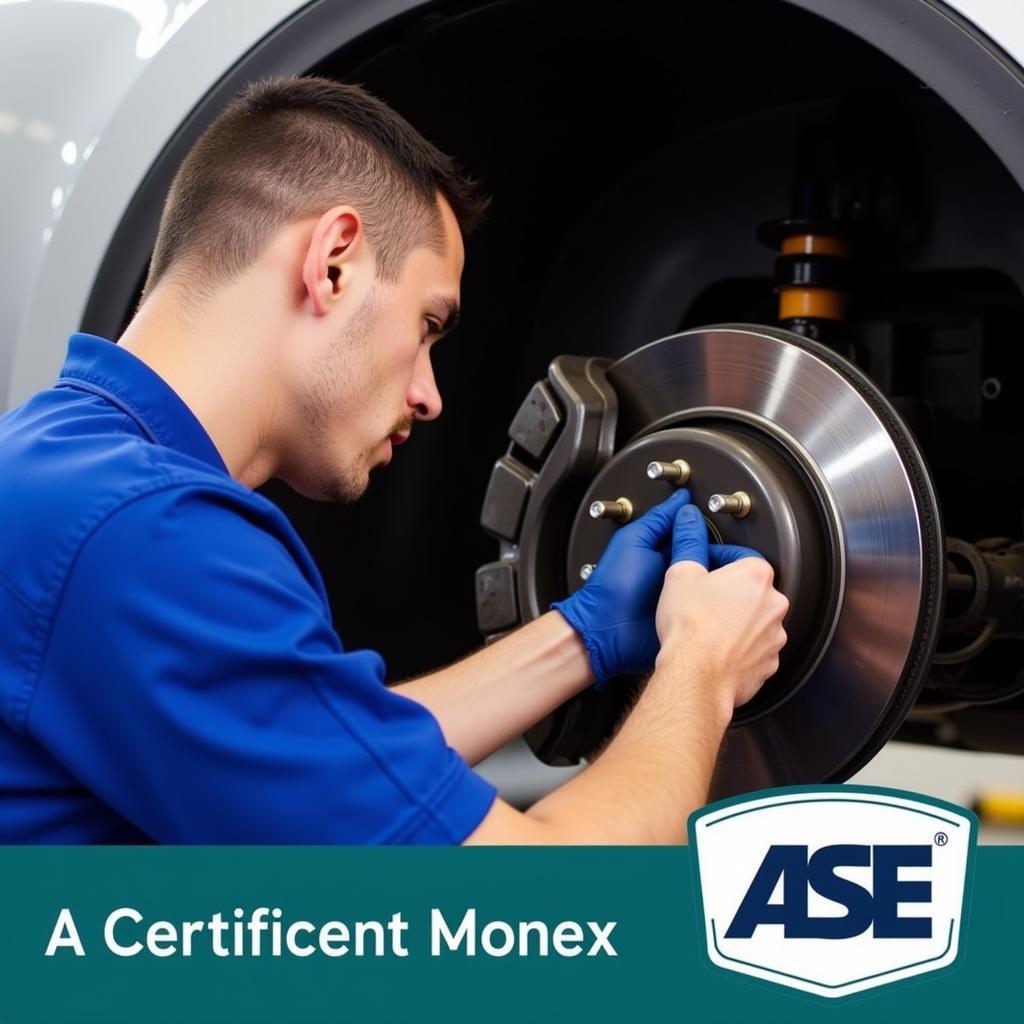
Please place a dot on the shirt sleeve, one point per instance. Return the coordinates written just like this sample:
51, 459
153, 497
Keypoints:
194, 682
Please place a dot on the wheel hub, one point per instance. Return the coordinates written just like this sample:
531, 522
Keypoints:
786, 522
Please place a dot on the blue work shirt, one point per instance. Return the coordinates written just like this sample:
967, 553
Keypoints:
168, 667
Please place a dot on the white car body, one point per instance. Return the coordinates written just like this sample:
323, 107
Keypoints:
79, 128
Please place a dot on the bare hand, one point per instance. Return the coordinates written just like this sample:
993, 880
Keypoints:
718, 608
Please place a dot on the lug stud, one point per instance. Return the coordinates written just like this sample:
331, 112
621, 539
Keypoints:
620, 510
676, 472
736, 504
585, 571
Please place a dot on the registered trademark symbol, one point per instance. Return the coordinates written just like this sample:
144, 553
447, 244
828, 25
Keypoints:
941, 839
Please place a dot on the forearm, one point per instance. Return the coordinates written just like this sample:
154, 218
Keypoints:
655, 771
495, 694
720, 634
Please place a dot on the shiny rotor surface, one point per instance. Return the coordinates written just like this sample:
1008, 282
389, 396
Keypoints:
829, 414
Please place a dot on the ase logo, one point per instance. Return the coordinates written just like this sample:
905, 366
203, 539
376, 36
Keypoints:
833, 889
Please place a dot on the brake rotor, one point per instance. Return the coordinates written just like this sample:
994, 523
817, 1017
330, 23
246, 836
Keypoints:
840, 502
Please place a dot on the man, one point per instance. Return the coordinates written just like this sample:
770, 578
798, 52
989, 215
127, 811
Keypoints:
168, 668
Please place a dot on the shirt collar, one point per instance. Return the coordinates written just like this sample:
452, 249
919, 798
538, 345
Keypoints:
104, 367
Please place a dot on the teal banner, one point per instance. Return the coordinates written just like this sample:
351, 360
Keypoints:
343, 934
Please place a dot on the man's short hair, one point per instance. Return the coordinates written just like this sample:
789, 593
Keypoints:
288, 148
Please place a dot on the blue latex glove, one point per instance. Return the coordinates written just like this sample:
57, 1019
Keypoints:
614, 611
690, 542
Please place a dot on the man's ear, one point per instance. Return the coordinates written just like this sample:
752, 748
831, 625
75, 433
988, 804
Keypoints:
334, 238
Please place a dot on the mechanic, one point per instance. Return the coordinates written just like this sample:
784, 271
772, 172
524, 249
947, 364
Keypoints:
169, 671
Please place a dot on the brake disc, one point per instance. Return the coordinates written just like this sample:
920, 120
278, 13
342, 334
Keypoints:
839, 501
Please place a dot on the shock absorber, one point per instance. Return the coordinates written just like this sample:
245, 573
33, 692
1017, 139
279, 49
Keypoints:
812, 275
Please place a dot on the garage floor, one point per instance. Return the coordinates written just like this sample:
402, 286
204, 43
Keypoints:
955, 775
959, 776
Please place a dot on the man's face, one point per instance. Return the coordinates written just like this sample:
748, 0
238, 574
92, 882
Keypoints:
372, 379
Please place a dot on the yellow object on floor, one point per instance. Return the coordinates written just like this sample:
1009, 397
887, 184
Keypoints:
1001, 807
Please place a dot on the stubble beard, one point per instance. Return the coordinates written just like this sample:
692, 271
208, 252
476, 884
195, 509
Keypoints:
348, 354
